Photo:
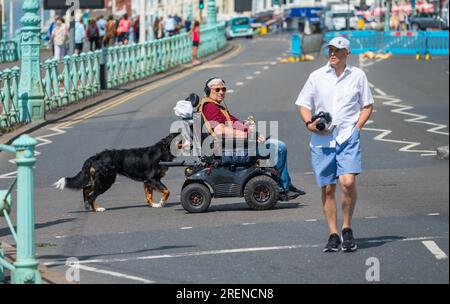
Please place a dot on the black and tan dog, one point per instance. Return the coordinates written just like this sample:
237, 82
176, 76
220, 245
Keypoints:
141, 164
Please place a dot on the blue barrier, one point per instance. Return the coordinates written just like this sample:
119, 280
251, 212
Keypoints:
360, 41
296, 49
437, 43
396, 42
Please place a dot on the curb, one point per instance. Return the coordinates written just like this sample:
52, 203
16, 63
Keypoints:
105, 95
442, 152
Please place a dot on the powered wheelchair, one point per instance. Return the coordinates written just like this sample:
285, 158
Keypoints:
222, 176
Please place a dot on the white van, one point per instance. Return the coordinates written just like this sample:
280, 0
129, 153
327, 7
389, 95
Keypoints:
335, 18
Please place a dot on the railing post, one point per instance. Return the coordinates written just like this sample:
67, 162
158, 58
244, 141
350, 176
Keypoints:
212, 12
31, 94
26, 265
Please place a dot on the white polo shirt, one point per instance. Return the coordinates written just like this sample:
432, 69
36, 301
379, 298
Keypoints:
343, 97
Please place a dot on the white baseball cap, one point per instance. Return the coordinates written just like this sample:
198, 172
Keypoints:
340, 43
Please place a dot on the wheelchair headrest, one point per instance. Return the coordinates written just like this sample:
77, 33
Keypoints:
194, 99
185, 108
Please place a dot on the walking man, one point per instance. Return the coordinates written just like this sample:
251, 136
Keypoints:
342, 91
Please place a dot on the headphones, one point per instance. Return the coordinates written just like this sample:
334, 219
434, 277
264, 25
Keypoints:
207, 89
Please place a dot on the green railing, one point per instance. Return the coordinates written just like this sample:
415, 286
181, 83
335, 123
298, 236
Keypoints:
25, 268
212, 39
8, 51
74, 78
9, 86
77, 77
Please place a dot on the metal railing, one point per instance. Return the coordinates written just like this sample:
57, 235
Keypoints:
78, 77
396, 42
25, 267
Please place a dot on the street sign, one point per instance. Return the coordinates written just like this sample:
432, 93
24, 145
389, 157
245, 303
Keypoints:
66, 4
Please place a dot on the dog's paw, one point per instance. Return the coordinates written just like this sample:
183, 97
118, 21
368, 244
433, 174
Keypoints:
100, 209
157, 205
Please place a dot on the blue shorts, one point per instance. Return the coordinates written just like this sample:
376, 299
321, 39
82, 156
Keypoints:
330, 163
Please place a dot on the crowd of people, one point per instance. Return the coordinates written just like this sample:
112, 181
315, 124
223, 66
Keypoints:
101, 32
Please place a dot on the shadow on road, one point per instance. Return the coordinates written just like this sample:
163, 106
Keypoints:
366, 243
6, 231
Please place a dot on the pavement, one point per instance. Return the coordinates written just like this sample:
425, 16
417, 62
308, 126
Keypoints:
400, 222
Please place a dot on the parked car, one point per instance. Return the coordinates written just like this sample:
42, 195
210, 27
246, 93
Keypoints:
239, 27
423, 21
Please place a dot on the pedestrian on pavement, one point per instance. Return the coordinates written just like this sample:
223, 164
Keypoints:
124, 29
343, 91
80, 32
170, 25
221, 121
195, 41
101, 24
59, 39
93, 34
110, 34
50, 30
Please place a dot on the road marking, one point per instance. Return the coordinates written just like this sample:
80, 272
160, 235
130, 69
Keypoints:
402, 109
115, 274
433, 214
266, 68
308, 173
311, 220
380, 92
279, 58
434, 249
257, 72
274, 62
230, 91
408, 144
371, 217
185, 228
249, 77
246, 224
239, 83
236, 250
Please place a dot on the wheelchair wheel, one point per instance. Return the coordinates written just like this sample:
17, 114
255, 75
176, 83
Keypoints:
261, 193
195, 198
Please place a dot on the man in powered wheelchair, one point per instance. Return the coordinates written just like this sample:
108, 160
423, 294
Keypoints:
227, 157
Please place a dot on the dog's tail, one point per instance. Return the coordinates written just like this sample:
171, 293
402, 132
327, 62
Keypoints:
76, 182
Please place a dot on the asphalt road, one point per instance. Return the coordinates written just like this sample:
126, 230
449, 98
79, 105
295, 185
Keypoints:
401, 220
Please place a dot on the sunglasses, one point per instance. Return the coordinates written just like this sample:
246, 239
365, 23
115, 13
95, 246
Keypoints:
220, 89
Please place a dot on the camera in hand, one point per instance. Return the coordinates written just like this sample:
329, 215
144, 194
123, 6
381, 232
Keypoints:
324, 120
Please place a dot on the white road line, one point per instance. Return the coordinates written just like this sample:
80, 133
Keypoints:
246, 224
274, 62
408, 144
402, 109
235, 250
249, 77
434, 249
380, 92
279, 58
257, 73
311, 220
239, 83
433, 214
266, 68
230, 91
115, 274
371, 217
185, 228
